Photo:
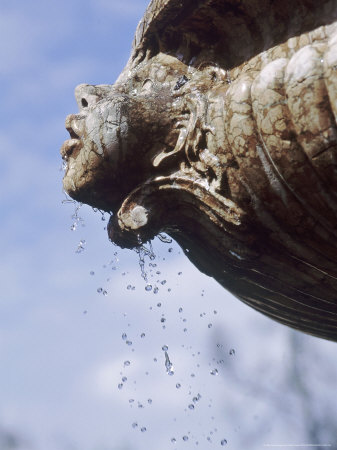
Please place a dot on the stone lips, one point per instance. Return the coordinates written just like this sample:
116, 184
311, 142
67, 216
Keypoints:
238, 162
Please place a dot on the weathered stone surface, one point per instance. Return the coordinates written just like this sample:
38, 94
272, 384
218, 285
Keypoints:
221, 131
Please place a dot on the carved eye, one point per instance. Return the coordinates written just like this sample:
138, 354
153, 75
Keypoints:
180, 83
84, 103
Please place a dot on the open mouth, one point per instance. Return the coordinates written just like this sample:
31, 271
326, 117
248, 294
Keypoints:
72, 146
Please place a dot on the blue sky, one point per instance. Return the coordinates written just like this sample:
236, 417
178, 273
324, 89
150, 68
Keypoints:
62, 354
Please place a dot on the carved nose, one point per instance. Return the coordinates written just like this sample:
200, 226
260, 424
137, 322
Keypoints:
86, 95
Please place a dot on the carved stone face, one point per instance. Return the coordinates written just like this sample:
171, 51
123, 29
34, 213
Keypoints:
122, 133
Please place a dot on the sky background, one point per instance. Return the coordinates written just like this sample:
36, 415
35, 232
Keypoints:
82, 365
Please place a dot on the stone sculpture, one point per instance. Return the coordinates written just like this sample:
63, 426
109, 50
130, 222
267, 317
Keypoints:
221, 131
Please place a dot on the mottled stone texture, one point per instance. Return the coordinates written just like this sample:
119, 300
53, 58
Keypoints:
221, 131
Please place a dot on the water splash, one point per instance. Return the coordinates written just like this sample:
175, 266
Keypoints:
143, 253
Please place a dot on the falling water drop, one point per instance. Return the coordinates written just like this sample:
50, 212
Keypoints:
224, 442
148, 287
124, 336
168, 365
214, 372
191, 406
143, 429
134, 425
232, 351
185, 438
99, 290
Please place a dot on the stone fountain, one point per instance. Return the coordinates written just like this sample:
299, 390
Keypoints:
221, 131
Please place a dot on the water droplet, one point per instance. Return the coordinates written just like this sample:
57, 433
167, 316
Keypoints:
164, 348
170, 250
163, 282
214, 372
105, 293
120, 385
126, 363
178, 385
210, 325
100, 290
173, 440
224, 442
124, 379
159, 305
150, 401
180, 310
163, 320
155, 290
131, 400
232, 351
143, 429
148, 287
128, 342
168, 365
92, 273
164, 238
85, 312
129, 287
142, 335
124, 336
185, 438
80, 246
191, 406
134, 425
215, 312
179, 273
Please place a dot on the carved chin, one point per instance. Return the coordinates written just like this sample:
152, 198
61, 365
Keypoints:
84, 169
